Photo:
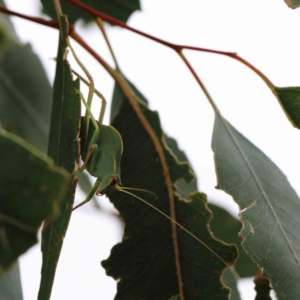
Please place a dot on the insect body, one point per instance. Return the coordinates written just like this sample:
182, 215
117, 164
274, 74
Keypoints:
101, 151
104, 161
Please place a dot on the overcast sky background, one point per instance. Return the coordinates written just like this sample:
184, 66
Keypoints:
263, 32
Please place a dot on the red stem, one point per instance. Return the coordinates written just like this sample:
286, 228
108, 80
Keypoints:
178, 48
72, 33
50, 23
205, 91
94, 13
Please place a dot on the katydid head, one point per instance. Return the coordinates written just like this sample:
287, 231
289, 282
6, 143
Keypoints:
113, 182
107, 183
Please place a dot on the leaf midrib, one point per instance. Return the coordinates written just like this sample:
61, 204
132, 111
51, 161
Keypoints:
257, 181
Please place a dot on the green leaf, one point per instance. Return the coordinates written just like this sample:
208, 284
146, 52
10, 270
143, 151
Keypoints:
217, 224
156, 257
225, 227
118, 100
289, 99
118, 9
30, 188
231, 281
10, 284
25, 93
223, 224
8, 35
184, 188
269, 206
292, 3
64, 149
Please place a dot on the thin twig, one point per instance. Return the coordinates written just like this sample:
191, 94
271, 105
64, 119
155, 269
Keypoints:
178, 48
102, 28
49, 23
97, 14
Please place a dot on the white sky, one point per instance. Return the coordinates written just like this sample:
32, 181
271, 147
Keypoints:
263, 32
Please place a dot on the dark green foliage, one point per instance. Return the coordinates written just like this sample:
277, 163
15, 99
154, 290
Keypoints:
226, 228
144, 262
30, 188
118, 9
289, 98
64, 149
25, 95
231, 281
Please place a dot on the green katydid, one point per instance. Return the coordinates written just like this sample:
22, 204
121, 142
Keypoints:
101, 148
101, 152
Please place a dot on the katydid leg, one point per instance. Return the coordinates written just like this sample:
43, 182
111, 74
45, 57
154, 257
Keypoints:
81, 169
90, 194
86, 121
90, 115
103, 100
93, 144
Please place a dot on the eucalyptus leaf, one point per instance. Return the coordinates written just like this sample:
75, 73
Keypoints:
289, 98
269, 207
184, 188
64, 149
30, 189
231, 281
226, 228
8, 35
118, 9
25, 93
222, 224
